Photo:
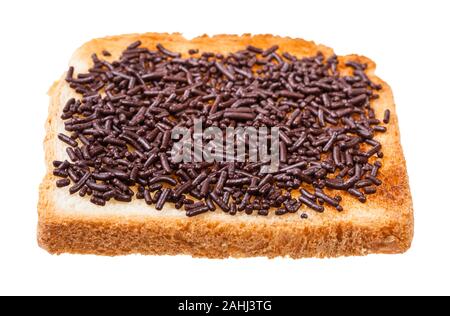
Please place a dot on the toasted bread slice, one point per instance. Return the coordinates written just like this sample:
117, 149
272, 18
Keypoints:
71, 224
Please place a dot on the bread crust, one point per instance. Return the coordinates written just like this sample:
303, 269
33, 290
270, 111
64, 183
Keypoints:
330, 234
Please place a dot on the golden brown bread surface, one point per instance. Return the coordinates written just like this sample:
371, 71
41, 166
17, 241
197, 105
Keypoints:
70, 224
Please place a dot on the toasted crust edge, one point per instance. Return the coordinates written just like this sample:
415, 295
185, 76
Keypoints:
214, 239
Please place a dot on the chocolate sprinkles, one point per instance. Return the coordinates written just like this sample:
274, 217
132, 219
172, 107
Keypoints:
120, 130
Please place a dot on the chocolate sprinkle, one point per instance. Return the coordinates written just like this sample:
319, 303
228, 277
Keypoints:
387, 116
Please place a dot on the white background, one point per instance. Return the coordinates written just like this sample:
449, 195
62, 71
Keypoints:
409, 40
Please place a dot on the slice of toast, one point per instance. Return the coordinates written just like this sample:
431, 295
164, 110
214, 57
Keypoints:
71, 224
